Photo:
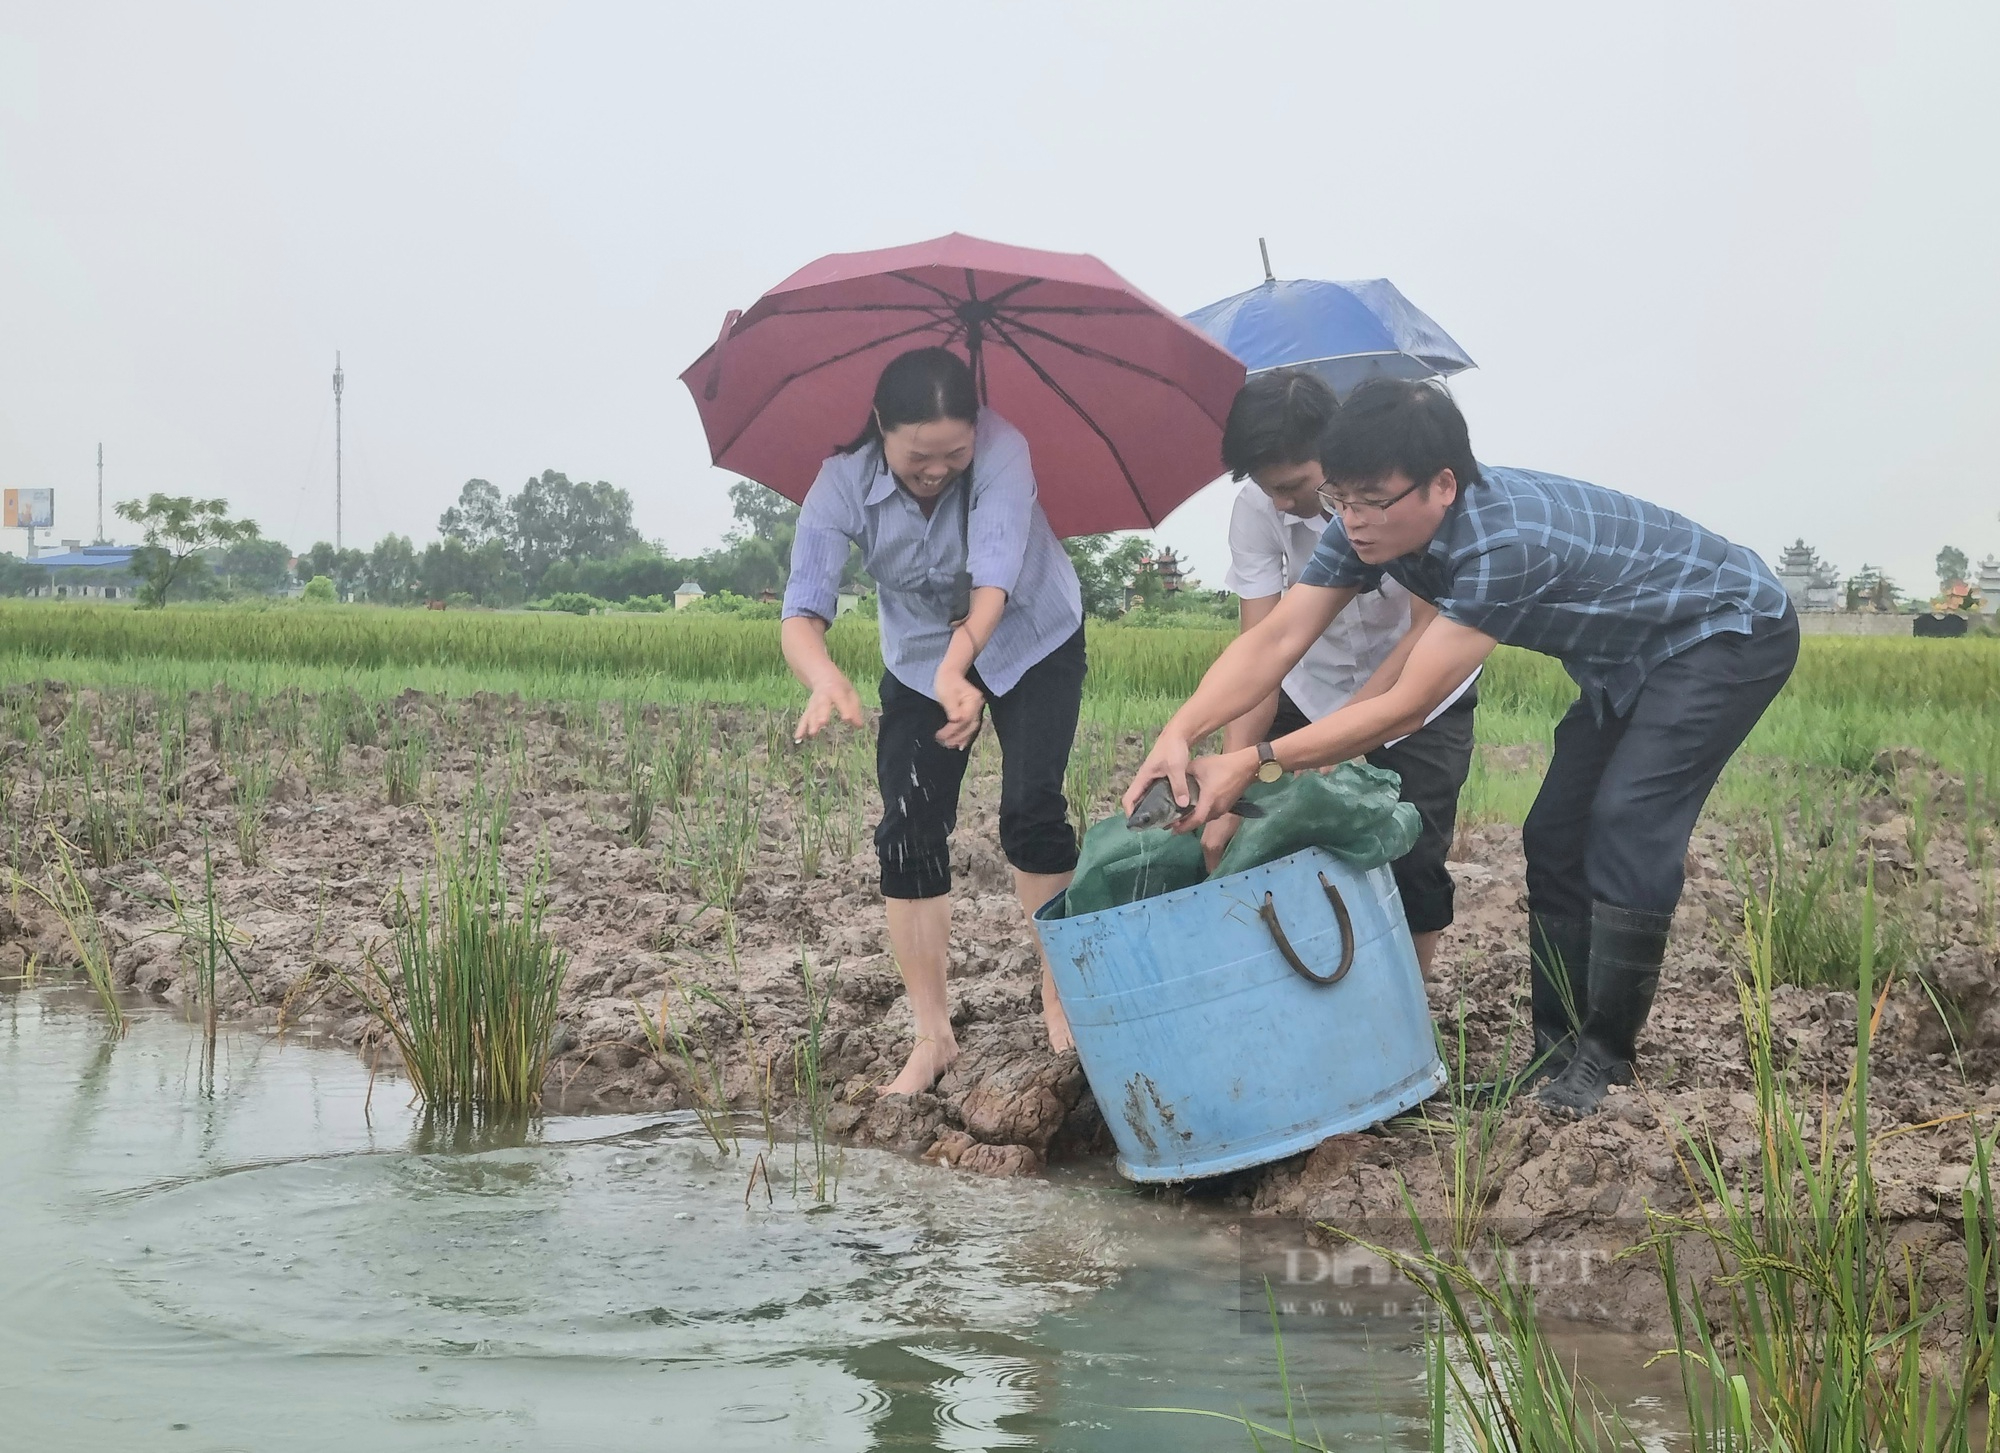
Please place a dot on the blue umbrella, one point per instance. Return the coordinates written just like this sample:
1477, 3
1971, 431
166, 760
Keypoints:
1344, 332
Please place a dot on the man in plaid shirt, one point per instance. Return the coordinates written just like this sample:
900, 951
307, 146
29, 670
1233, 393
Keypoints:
1677, 639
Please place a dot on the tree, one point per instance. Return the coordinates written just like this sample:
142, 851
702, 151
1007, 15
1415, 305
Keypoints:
319, 591
18, 577
763, 513
554, 519
448, 568
1952, 564
254, 567
343, 567
178, 530
480, 515
1105, 566
389, 574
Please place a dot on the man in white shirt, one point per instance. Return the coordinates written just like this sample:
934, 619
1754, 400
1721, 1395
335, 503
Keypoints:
1270, 442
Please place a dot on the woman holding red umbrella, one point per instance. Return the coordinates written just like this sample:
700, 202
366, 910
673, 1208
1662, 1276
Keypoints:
980, 610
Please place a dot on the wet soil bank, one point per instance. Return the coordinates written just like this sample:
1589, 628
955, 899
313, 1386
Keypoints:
640, 935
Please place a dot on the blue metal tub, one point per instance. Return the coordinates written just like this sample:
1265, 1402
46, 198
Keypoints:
1247, 1018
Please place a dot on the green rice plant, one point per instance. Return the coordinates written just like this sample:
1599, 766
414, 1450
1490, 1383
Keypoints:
1813, 1333
814, 802
809, 1084
1495, 792
684, 1039
1090, 780
329, 738
173, 741
406, 761
1812, 904
78, 757
472, 1004
68, 897
128, 724
714, 834
208, 938
24, 720
288, 718
642, 779
254, 779
521, 769
687, 751
359, 718
102, 836
1470, 1139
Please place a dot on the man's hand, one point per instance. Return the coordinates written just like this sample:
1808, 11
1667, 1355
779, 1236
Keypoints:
964, 704
1222, 779
835, 695
1168, 759
1215, 839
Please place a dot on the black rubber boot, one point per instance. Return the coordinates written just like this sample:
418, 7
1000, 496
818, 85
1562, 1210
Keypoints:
1558, 997
1627, 947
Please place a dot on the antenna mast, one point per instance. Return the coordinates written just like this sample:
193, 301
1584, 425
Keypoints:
100, 494
339, 382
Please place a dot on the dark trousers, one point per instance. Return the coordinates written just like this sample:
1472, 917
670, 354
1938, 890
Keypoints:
1433, 762
1612, 821
920, 777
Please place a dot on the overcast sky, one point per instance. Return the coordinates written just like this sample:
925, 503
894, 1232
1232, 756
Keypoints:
1739, 259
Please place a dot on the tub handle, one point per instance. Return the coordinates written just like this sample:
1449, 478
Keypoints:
1269, 913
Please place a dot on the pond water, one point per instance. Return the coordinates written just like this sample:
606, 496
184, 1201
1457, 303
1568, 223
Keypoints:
261, 1254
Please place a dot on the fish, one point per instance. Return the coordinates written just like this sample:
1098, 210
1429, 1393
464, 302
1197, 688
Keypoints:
1156, 808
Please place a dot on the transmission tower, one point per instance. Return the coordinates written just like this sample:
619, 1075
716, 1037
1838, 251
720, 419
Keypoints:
339, 382
100, 494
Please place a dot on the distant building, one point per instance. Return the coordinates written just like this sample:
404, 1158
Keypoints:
687, 595
1811, 582
87, 572
1988, 586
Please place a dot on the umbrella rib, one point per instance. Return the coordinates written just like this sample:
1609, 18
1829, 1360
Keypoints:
791, 378
1083, 350
1082, 413
928, 309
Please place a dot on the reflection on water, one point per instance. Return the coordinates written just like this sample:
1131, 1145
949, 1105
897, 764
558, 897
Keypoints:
275, 1259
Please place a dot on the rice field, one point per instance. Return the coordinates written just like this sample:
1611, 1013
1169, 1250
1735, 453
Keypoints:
1859, 826
1850, 698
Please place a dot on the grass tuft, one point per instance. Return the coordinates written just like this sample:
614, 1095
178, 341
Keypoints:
472, 1001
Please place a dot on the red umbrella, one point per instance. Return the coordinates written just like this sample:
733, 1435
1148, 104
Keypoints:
1122, 402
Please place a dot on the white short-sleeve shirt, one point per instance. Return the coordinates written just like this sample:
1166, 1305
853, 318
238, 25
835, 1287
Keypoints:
1267, 550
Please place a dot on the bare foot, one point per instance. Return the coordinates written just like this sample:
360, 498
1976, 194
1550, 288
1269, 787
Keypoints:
927, 1061
1055, 1021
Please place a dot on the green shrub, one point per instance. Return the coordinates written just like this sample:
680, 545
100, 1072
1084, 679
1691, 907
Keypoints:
319, 591
575, 602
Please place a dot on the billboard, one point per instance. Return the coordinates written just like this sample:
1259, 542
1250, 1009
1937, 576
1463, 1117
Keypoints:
29, 509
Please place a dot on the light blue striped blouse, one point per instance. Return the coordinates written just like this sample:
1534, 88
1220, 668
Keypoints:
914, 560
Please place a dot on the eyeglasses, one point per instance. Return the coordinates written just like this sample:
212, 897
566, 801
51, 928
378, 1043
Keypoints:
1350, 509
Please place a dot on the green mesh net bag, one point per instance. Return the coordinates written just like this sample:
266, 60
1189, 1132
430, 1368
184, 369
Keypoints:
1353, 812
1118, 866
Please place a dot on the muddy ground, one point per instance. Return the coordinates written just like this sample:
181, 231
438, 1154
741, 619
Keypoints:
640, 936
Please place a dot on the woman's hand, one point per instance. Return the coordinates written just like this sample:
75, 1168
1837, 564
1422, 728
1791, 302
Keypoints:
964, 704
1168, 759
834, 694
1222, 779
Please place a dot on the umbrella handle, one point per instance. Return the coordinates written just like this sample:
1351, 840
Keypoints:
714, 384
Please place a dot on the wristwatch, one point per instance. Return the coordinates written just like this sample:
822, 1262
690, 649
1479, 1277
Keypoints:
1268, 769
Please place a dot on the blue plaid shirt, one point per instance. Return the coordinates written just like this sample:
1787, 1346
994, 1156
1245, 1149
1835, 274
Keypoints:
1609, 585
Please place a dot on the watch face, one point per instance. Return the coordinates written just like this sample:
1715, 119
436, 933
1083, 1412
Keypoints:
1269, 771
